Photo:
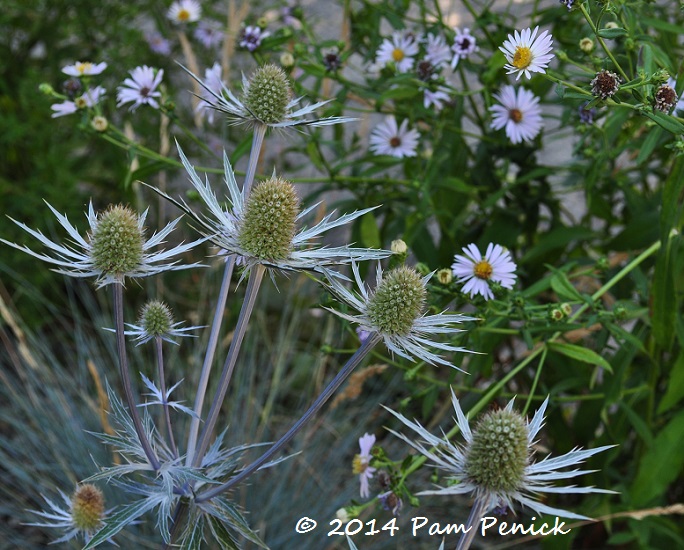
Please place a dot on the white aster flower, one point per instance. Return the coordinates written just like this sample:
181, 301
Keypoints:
251, 37
208, 33
115, 247
266, 99
158, 44
262, 229
388, 139
436, 98
361, 464
495, 462
464, 44
185, 11
87, 100
476, 270
399, 50
526, 54
213, 82
141, 87
84, 68
519, 113
395, 311
437, 51
63, 109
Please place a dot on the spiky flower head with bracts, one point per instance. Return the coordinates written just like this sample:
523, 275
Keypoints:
114, 249
267, 100
81, 515
262, 229
495, 462
395, 311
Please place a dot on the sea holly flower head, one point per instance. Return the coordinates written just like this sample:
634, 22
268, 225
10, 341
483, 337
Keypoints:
113, 250
361, 464
398, 141
141, 88
476, 270
185, 11
495, 462
266, 228
527, 53
395, 311
266, 100
156, 320
464, 45
518, 112
84, 68
399, 50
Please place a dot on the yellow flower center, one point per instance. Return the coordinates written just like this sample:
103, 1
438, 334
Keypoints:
359, 464
522, 57
483, 270
82, 68
183, 15
398, 54
515, 115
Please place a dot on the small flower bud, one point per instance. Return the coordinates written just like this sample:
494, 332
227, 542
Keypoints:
99, 123
268, 226
268, 94
397, 301
445, 276
660, 77
498, 454
287, 60
620, 312
398, 247
566, 309
87, 507
602, 264
72, 87
262, 22
611, 25
117, 241
46, 89
331, 59
586, 45
665, 98
556, 314
156, 318
605, 84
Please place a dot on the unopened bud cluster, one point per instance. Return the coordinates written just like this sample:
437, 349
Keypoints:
117, 241
498, 454
87, 507
268, 226
397, 302
268, 94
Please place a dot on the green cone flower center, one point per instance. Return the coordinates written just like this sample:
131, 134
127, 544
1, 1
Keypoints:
498, 454
117, 241
483, 270
156, 318
268, 94
268, 226
397, 302
87, 507
522, 57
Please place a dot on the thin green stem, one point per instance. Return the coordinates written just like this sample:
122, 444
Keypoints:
603, 44
255, 278
162, 388
540, 366
336, 382
126, 377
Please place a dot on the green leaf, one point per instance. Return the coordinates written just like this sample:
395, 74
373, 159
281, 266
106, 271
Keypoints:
562, 286
649, 144
581, 354
668, 122
661, 465
370, 234
675, 387
119, 520
194, 535
640, 427
222, 534
612, 33
664, 308
560, 90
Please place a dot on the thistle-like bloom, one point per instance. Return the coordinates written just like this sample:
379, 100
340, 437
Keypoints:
251, 37
84, 68
361, 464
476, 270
114, 249
266, 99
527, 53
518, 112
141, 87
605, 84
83, 514
495, 463
185, 11
464, 44
400, 50
388, 139
214, 82
264, 228
155, 320
395, 310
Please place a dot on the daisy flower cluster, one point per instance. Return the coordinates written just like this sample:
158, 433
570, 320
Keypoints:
80, 96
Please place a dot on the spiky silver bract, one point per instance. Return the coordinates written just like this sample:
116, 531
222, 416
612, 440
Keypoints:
457, 462
245, 111
223, 227
411, 340
82, 256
